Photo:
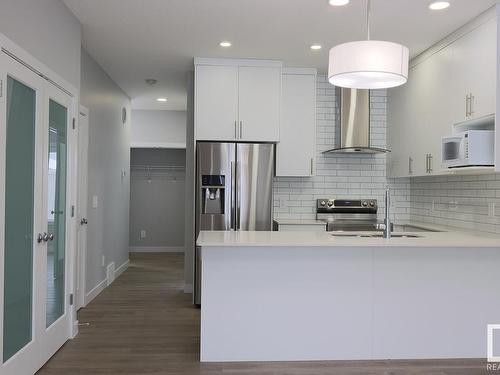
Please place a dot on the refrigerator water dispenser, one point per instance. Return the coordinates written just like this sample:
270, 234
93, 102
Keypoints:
212, 193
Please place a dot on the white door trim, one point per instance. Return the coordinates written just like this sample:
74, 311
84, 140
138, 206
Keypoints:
83, 144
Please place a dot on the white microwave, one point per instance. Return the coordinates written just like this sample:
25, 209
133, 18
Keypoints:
468, 149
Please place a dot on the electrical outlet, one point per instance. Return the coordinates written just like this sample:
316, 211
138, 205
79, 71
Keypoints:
282, 202
491, 209
143, 233
103, 260
95, 201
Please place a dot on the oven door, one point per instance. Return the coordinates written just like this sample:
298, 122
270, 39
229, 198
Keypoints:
453, 152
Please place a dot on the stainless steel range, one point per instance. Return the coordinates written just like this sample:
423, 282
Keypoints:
348, 214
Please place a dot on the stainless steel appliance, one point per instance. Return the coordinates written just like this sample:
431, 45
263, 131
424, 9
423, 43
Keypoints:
355, 123
348, 214
469, 149
233, 190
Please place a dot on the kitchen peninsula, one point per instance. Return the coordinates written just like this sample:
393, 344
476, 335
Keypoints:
292, 296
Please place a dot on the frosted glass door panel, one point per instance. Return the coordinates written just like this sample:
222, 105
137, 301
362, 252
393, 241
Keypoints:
19, 215
56, 215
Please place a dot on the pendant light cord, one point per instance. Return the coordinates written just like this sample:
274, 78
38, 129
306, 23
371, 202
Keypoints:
368, 14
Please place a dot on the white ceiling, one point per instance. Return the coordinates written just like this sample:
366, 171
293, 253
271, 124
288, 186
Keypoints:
138, 39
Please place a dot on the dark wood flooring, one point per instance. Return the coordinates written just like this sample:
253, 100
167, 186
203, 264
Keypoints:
144, 324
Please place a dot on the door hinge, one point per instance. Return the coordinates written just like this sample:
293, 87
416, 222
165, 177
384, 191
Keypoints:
74, 123
72, 211
71, 299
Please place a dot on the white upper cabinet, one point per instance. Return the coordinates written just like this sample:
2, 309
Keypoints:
453, 82
259, 103
297, 148
216, 104
237, 100
474, 70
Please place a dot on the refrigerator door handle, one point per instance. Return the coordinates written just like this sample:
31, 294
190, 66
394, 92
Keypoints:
233, 195
238, 196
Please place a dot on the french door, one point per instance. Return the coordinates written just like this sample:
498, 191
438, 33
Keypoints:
35, 171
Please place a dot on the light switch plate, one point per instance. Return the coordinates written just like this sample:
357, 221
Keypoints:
143, 233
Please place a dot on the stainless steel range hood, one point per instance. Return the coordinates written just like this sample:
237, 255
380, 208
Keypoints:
355, 123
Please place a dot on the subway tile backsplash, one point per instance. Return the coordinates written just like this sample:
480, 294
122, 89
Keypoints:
470, 201
342, 176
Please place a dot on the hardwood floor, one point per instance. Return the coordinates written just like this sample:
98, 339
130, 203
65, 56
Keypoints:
145, 324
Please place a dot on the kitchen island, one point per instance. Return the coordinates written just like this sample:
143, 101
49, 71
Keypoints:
294, 296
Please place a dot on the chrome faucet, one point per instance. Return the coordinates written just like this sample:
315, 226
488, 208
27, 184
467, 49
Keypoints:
387, 219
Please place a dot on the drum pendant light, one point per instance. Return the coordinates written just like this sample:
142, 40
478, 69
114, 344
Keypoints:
368, 64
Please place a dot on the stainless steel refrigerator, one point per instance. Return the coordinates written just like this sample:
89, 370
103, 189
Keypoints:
233, 190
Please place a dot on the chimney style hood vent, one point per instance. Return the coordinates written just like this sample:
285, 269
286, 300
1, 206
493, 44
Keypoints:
355, 123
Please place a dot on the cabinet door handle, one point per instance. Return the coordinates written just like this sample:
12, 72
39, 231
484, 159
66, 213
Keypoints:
241, 129
430, 163
426, 163
312, 166
236, 130
410, 165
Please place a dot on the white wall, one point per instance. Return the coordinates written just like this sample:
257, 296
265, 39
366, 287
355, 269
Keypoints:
151, 128
47, 30
109, 155
157, 200
342, 176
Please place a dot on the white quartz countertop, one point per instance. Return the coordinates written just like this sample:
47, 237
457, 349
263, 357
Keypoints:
453, 239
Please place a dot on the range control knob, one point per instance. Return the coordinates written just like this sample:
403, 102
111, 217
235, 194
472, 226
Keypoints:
330, 203
323, 203
372, 203
364, 204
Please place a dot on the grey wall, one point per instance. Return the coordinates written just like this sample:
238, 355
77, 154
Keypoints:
158, 127
47, 30
157, 200
109, 155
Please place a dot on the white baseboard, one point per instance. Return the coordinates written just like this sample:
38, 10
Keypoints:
156, 249
104, 283
122, 268
188, 288
95, 291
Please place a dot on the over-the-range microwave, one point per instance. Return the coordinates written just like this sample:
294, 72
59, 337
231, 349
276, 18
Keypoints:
468, 149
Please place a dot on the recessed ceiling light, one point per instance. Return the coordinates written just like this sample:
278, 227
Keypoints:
161, 99
438, 5
316, 47
225, 44
338, 3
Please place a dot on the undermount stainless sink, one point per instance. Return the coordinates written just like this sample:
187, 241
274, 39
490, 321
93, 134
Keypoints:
375, 235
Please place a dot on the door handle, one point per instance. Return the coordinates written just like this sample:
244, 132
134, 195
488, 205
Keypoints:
43, 237
84, 221
430, 163
235, 129
312, 166
233, 196
241, 129
410, 165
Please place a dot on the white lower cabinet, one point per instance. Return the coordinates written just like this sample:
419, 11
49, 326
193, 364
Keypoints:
297, 148
300, 227
445, 86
